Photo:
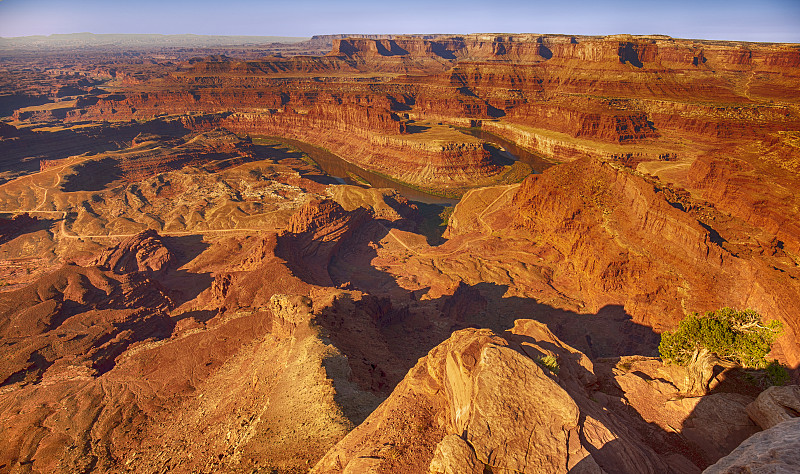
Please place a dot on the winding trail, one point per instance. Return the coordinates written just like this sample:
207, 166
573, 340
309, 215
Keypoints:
486, 209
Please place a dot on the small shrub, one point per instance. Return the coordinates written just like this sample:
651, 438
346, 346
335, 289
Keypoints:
625, 366
393, 453
550, 363
776, 373
445, 215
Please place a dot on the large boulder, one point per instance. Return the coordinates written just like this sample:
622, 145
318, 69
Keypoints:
772, 451
479, 399
775, 405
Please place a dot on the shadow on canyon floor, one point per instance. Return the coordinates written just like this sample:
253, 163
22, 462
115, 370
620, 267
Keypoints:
405, 324
411, 129
184, 285
23, 224
24, 154
278, 153
12, 102
432, 222
607, 333
92, 176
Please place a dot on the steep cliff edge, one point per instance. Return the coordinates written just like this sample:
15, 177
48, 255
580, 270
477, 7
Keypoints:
604, 235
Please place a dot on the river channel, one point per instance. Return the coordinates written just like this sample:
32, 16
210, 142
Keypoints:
351, 174
537, 162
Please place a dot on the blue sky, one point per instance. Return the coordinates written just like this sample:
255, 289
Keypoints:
751, 20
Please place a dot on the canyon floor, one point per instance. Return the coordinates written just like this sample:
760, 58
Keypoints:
357, 254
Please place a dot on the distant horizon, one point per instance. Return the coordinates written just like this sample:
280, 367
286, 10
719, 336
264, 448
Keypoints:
308, 37
150, 34
773, 21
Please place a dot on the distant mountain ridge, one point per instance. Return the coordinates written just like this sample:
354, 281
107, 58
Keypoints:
78, 40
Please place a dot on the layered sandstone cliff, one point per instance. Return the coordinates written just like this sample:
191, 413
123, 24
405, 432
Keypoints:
611, 237
625, 98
